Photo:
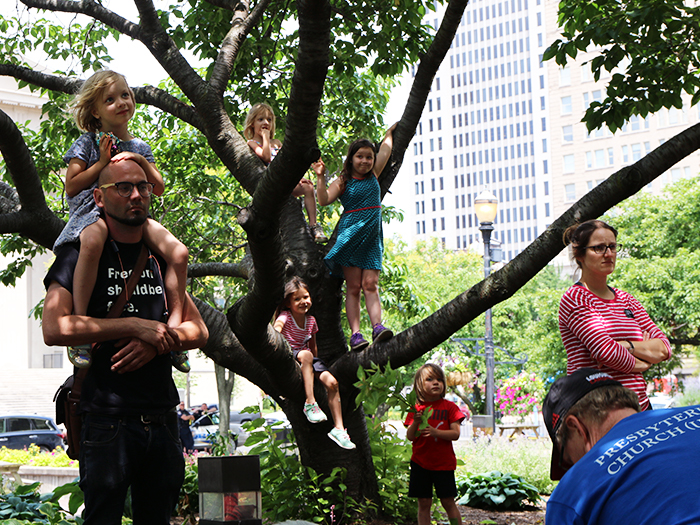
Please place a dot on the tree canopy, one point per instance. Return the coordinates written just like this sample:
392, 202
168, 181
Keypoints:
325, 66
649, 46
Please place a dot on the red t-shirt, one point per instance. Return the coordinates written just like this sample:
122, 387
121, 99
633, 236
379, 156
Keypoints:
435, 453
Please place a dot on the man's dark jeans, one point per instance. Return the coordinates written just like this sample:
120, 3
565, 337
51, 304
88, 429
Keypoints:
118, 452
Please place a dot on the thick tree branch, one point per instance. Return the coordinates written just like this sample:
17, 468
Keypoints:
33, 219
250, 318
144, 95
243, 21
92, 9
499, 286
222, 269
693, 341
427, 68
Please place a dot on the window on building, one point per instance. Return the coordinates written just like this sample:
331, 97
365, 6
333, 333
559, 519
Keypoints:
567, 134
568, 164
569, 192
565, 76
566, 105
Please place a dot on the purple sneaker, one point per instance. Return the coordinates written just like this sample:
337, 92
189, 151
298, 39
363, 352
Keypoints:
381, 333
357, 342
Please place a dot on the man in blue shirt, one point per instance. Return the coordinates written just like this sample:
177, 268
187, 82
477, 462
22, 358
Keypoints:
620, 465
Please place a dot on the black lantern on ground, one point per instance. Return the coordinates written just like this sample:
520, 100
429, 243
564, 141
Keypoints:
229, 490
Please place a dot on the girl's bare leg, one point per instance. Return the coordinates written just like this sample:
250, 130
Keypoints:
176, 255
353, 285
92, 242
424, 511
307, 190
370, 281
452, 511
306, 360
331, 384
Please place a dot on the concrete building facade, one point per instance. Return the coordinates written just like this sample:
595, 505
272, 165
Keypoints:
499, 118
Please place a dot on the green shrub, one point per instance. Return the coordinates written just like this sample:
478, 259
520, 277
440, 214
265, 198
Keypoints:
690, 397
528, 458
188, 503
496, 490
291, 491
26, 505
34, 457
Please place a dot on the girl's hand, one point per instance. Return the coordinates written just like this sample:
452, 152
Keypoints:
391, 129
319, 168
105, 149
129, 155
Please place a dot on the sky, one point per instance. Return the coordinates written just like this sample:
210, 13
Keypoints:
140, 68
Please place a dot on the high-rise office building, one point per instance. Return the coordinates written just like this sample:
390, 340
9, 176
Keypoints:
499, 118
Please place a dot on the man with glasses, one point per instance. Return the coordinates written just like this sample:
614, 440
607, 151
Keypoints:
617, 464
130, 428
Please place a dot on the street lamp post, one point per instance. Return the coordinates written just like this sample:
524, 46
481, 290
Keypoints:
486, 205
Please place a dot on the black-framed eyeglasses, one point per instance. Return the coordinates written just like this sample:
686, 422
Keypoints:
600, 249
125, 189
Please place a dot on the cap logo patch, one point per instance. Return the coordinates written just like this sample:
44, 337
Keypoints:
594, 378
555, 418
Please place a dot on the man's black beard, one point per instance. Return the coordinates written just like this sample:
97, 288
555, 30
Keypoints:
129, 221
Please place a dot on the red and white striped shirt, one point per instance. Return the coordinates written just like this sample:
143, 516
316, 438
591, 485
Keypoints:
297, 337
590, 327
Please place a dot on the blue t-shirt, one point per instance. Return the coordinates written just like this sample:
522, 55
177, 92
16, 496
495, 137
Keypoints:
644, 471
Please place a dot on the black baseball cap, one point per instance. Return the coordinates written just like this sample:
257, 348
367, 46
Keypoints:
565, 393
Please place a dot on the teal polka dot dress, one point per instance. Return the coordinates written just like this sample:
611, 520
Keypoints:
360, 242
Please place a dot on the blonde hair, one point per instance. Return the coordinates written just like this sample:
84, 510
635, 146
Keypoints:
428, 368
256, 110
88, 96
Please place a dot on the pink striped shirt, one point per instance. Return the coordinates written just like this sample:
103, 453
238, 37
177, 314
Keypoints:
590, 327
297, 337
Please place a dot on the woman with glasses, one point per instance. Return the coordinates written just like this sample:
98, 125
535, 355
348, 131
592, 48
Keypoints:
603, 327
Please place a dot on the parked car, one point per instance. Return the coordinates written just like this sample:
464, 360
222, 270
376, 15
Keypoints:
20, 431
208, 424
243, 417
662, 401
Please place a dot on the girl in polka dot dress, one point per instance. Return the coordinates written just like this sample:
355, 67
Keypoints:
357, 253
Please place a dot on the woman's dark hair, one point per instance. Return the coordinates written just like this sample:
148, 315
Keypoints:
294, 284
578, 236
346, 172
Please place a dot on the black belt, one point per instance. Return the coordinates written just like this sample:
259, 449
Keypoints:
154, 419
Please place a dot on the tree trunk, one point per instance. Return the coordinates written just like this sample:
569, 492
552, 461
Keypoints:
224, 385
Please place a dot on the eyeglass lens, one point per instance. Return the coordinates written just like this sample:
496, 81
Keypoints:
126, 188
602, 248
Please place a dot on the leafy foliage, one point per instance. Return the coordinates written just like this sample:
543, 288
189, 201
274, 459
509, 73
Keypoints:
26, 505
496, 490
34, 457
660, 263
525, 457
651, 47
188, 502
289, 489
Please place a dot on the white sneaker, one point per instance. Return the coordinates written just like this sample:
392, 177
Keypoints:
314, 413
340, 436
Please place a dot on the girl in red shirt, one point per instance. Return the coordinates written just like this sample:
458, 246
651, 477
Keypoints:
433, 461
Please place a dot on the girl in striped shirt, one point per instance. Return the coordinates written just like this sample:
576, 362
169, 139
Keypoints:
299, 329
602, 327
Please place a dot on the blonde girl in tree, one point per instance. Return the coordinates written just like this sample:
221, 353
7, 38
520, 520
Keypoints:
260, 132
